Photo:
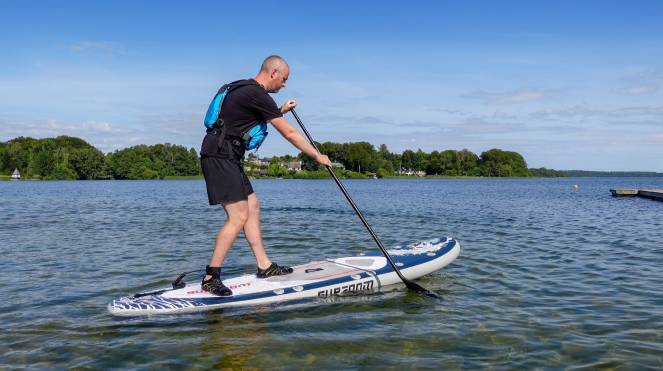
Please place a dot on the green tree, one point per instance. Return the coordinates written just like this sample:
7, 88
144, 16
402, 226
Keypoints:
421, 160
62, 172
88, 163
387, 169
449, 162
468, 162
408, 160
150, 162
499, 163
434, 165
276, 170
360, 157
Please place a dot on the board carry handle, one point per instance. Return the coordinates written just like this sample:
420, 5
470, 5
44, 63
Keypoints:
409, 284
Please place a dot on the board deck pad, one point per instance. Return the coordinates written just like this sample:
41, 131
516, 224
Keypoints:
327, 269
323, 278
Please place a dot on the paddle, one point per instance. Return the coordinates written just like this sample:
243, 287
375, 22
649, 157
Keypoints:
410, 285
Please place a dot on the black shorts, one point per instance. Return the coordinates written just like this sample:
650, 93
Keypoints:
225, 180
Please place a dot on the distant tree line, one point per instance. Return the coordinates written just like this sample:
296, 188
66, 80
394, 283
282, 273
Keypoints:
363, 157
542, 172
67, 157
586, 173
153, 162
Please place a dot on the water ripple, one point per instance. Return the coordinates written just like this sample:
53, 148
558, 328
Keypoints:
548, 277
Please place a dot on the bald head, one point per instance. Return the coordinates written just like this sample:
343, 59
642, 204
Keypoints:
273, 62
273, 73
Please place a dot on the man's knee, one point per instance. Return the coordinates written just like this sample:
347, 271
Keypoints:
238, 213
239, 218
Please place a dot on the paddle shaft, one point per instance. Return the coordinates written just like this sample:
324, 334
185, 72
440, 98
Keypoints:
408, 283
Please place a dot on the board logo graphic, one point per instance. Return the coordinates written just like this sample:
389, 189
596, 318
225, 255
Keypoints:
353, 288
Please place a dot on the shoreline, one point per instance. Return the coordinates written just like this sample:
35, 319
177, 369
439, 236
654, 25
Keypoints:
429, 177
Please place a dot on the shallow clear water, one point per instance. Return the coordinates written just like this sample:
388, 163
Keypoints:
547, 276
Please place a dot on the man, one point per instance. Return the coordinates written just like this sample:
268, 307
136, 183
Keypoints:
246, 104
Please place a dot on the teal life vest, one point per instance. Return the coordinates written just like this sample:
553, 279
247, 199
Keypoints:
253, 137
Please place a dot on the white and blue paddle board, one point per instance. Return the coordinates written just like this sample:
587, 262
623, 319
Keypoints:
318, 279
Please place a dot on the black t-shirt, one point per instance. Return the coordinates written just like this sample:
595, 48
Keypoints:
247, 105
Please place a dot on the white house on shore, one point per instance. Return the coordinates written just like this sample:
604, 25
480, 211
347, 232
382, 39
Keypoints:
294, 165
16, 175
260, 165
409, 172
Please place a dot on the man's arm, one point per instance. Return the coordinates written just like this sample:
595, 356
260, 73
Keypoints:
297, 140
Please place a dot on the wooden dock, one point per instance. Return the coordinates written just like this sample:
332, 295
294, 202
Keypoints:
654, 194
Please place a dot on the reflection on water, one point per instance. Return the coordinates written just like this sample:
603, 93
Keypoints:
232, 341
548, 276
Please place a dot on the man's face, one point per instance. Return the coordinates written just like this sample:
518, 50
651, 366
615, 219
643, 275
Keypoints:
278, 78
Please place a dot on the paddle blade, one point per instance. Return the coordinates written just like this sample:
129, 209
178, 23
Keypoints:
416, 287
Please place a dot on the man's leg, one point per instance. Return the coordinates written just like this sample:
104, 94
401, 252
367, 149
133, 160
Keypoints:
253, 233
238, 214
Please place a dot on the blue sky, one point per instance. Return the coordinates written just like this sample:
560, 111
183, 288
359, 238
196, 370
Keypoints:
570, 85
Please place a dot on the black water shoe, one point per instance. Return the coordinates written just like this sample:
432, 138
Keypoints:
273, 270
213, 285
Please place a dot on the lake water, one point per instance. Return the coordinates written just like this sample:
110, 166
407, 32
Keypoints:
547, 276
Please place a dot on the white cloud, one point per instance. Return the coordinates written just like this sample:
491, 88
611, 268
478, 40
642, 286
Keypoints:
105, 136
584, 112
640, 90
512, 97
479, 125
565, 111
519, 97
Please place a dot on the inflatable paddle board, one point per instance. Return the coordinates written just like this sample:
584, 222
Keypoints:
318, 279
